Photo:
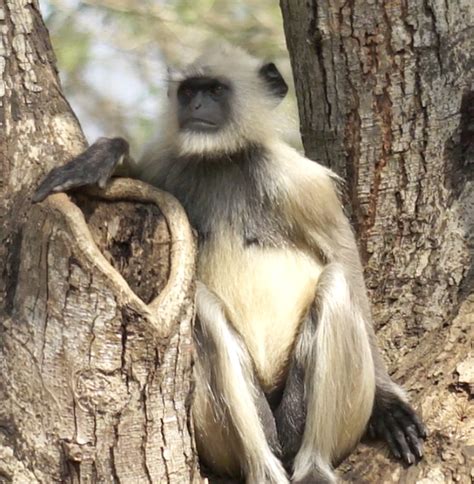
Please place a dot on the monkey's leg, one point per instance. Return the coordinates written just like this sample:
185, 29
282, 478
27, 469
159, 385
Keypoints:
290, 416
235, 429
333, 358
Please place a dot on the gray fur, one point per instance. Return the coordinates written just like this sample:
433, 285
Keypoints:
233, 189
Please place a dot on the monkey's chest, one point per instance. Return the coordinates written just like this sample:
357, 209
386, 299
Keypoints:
266, 293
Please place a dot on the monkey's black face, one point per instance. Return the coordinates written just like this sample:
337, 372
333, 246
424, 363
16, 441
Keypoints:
203, 104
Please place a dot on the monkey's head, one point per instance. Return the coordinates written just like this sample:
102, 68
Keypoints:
225, 101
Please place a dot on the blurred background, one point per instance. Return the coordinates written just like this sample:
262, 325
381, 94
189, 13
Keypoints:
113, 54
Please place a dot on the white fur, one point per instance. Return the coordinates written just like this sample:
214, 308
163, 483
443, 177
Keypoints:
340, 378
236, 372
265, 293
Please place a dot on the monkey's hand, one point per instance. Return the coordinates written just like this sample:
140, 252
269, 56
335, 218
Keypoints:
395, 422
94, 166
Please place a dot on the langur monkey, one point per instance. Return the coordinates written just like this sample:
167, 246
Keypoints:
288, 377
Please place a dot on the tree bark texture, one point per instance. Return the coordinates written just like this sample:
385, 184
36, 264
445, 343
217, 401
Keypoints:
385, 94
96, 302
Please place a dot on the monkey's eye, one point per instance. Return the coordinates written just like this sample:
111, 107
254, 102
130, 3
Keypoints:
217, 90
187, 92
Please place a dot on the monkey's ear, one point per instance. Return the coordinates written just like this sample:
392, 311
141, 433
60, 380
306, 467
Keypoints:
174, 74
273, 80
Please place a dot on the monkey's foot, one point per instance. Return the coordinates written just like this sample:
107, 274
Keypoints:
315, 478
395, 422
312, 480
314, 473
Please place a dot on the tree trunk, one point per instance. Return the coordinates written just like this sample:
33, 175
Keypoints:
385, 99
95, 345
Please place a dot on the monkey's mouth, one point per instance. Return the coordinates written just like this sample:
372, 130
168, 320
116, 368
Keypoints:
199, 124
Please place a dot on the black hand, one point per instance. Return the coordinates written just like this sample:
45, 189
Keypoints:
394, 421
94, 166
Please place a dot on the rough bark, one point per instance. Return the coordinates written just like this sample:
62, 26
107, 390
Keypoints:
385, 98
96, 305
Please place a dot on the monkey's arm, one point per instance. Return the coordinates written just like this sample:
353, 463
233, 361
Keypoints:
393, 419
96, 165
326, 232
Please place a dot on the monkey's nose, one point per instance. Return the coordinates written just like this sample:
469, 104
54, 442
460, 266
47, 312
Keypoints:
197, 101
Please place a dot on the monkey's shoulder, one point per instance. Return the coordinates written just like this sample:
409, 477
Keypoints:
300, 173
307, 191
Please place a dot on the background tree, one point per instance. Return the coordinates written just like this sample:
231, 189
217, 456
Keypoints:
385, 98
95, 366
